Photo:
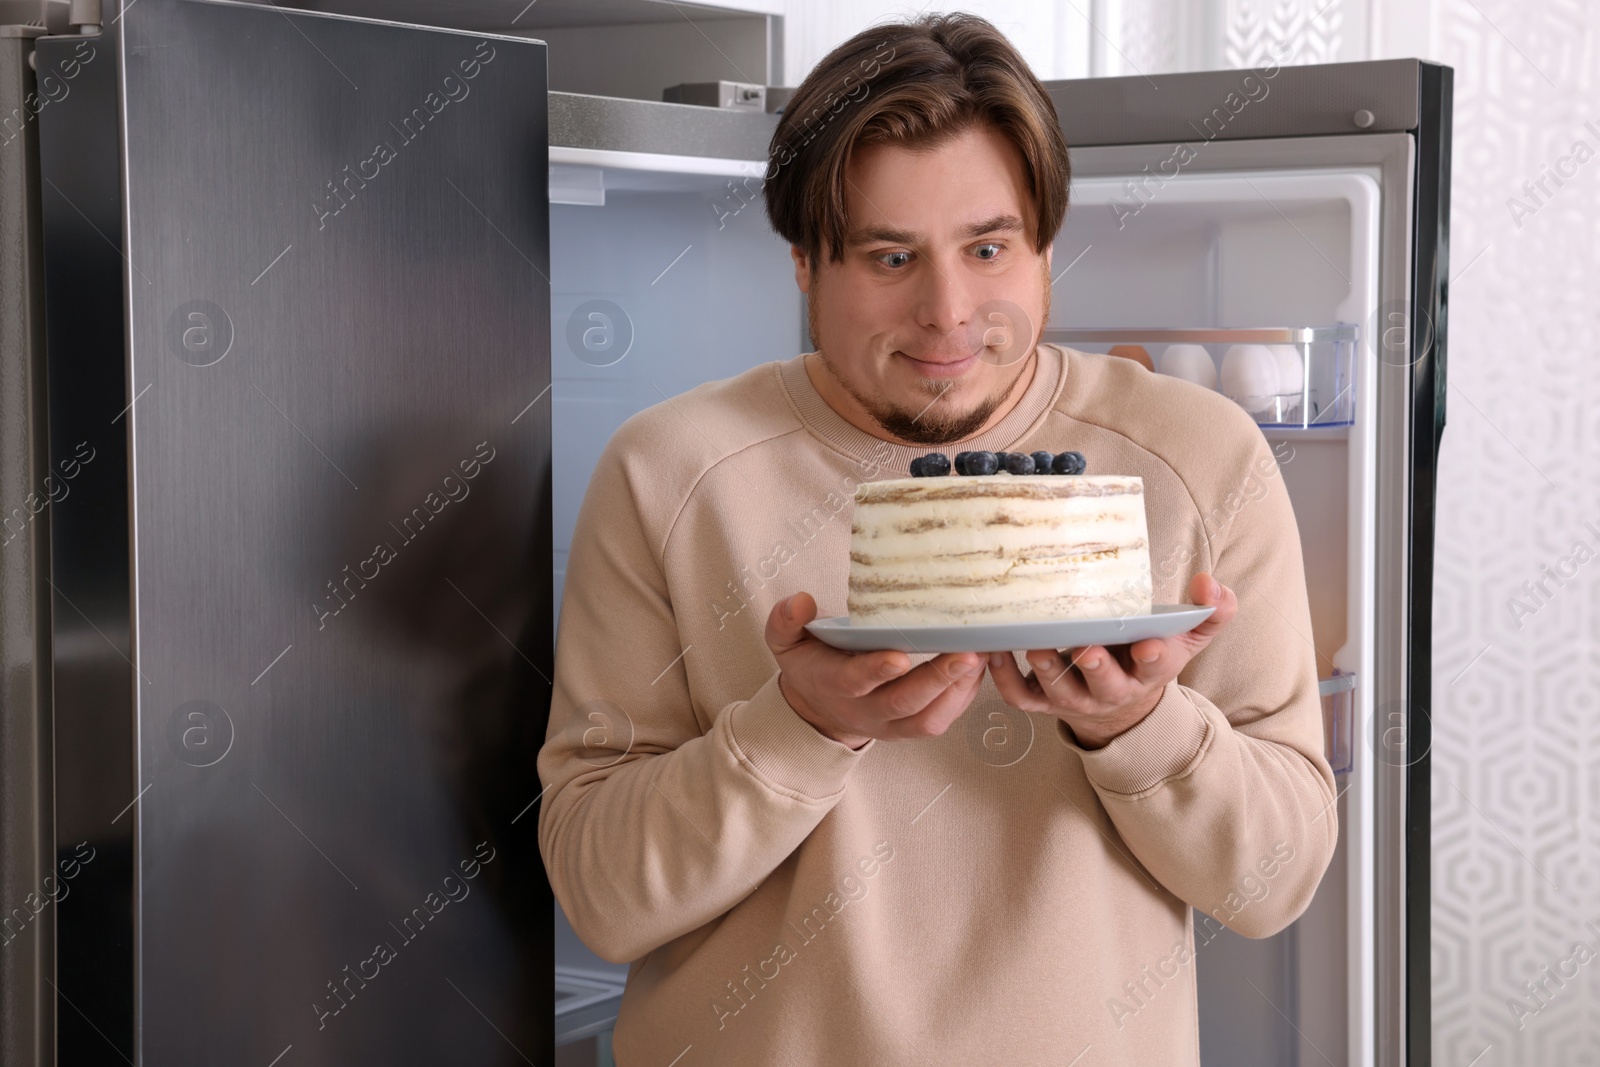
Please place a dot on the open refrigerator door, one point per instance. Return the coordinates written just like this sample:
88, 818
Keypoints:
1294, 258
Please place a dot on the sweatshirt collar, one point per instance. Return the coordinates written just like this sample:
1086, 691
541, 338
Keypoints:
1018, 425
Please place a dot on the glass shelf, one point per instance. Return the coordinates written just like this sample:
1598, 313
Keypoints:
1325, 356
586, 1003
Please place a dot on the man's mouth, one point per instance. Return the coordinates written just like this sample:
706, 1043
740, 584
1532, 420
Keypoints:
941, 366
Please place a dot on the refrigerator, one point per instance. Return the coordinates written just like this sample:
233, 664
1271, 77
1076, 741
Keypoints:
1301, 207
276, 579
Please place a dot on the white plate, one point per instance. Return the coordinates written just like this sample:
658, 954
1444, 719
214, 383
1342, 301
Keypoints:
1164, 620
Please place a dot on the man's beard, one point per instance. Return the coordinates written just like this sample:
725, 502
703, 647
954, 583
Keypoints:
925, 426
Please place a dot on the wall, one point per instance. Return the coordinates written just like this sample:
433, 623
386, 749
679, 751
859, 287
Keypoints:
1084, 38
1052, 36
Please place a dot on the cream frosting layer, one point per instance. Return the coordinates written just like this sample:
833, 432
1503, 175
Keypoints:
960, 550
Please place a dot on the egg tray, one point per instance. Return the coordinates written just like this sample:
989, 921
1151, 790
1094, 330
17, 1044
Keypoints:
1285, 377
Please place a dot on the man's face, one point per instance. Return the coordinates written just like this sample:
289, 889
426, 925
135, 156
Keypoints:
927, 324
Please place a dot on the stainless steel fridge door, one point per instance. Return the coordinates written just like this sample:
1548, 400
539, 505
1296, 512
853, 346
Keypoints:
28, 490
298, 304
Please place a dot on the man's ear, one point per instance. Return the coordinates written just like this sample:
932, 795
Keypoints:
802, 268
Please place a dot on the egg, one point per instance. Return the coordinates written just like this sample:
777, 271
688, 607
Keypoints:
1291, 371
1137, 353
1250, 376
1192, 363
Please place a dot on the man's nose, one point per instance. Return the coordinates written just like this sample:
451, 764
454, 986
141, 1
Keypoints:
944, 302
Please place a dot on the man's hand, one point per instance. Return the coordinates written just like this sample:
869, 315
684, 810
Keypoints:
1099, 694
855, 697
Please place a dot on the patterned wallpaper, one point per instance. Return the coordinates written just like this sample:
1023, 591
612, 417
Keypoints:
1148, 37
1516, 717
1162, 36
1321, 32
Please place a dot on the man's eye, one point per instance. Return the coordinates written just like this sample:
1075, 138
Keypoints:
991, 250
895, 259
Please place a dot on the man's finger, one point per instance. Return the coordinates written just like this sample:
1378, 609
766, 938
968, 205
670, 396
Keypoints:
911, 694
1103, 676
1053, 673
1013, 687
786, 623
1157, 660
1204, 589
943, 710
863, 673
946, 662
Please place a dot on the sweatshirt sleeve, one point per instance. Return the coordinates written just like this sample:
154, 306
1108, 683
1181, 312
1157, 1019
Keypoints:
1223, 792
651, 825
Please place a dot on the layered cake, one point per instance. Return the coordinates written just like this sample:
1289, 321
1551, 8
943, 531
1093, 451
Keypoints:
981, 544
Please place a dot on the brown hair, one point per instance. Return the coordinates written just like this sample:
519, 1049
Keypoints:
913, 84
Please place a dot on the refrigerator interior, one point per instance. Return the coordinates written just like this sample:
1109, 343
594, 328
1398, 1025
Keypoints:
696, 287
670, 282
660, 280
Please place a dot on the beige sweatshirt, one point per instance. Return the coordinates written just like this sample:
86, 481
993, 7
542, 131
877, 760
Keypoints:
996, 895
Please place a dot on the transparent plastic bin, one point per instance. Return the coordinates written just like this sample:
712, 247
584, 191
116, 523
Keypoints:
1338, 719
1327, 355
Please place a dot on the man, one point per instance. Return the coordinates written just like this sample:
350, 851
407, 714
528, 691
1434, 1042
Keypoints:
811, 857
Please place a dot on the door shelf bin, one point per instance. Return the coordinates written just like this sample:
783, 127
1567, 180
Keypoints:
1326, 355
1338, 719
